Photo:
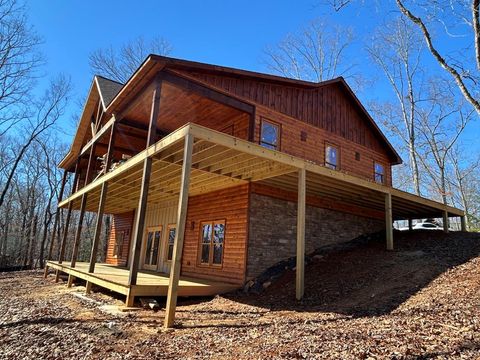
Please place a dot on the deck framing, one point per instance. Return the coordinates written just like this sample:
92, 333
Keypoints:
213, 161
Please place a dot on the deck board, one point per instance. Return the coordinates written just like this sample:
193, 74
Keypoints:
149, 283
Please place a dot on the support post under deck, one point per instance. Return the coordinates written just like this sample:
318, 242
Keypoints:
301, 205
179, 234
388, 221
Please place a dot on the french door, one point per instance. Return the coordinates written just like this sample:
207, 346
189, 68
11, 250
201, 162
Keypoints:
152, 248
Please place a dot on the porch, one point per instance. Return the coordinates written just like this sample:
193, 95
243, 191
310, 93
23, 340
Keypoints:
149, 283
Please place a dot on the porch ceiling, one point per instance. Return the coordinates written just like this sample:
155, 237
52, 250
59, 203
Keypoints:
220, 161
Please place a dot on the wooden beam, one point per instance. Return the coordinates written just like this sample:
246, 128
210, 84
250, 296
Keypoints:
143, 200
445, 221
463, 223
136, 160
97, 136
98, 227
56, 220
140, 222
152, 125
207, 92
251, 126
90, 166
175, 267
101, 207
388, 221
301, 207
78, 233
410, 224
64, 238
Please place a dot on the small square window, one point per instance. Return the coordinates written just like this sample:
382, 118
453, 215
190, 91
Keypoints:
379, 173
270, 135
331, 157
357, 156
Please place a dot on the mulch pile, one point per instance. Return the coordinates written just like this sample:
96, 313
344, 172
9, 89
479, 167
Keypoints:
421, 301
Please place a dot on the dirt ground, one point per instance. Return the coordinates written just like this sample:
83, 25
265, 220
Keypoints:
421, 301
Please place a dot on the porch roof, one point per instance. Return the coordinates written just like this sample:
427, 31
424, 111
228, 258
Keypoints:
220, 161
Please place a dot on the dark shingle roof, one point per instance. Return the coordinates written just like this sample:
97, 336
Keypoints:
108, 89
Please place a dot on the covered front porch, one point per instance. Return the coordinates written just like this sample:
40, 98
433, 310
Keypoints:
149, 283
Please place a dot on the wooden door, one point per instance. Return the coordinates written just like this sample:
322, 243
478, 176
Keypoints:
152, 242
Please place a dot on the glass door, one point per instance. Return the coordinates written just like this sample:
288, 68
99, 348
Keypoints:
152, 248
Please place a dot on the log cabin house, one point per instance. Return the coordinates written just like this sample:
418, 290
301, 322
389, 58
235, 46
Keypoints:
214, 174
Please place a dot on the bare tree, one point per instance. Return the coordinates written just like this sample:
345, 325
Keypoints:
466, 181
119, 64
316, 53
397, 51
19, 60
464, 65
440, 127
45, 114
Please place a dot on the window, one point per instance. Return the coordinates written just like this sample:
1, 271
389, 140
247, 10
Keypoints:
379, 173
212, 236
152, 246
331, 157
119, 239
270, 135
170, 241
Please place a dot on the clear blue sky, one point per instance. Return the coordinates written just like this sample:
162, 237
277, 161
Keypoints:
221, 32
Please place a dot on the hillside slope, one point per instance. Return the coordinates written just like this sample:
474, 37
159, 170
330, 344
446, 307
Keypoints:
421, 301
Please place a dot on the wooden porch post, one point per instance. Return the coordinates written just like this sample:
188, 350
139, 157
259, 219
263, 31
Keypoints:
61, 255
176, 265
64, 238
78, 235
142, 202
101, 208
410, 224
55, 222
463, 223
445, 221
389, 221
300, 271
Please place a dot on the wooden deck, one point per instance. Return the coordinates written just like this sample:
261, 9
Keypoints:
149, 283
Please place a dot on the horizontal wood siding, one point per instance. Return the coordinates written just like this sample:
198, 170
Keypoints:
120, 222
313, 148
230, 205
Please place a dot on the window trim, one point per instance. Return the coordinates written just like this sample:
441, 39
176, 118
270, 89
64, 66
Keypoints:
169, 227
327, 144
279, 140
384, 175
144, 248
210, 263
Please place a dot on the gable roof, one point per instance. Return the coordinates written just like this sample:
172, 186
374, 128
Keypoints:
114, 94
107, 89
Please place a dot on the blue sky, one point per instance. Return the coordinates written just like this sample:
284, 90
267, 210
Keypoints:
220, 32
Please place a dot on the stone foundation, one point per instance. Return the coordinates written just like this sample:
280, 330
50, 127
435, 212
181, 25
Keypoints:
273, 230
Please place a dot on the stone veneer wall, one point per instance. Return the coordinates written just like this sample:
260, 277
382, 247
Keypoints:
273, 230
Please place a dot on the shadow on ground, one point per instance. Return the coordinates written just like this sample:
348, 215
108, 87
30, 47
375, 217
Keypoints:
366, 280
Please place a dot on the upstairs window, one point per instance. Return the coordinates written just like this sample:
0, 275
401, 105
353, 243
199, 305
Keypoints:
379, 173
270, 135
170, 241
331, 157
212, 236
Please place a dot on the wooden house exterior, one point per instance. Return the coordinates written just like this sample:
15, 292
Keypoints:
215, 174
